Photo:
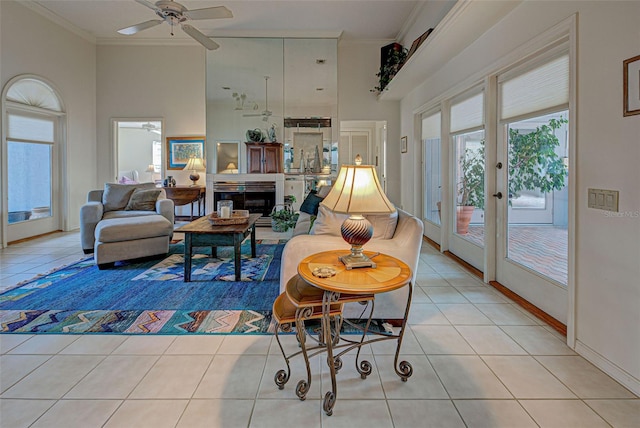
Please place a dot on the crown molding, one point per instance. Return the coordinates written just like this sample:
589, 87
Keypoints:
413, 16
278, 34
56, 19
169, 41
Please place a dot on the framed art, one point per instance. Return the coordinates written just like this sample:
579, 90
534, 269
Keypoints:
417, 42
631, 77
403, 144
180, 149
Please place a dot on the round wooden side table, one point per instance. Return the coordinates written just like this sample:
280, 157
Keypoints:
390, 274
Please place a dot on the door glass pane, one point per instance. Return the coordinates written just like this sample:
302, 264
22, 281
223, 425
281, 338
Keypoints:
469, 195
432, 177
29, 183
538, 194
433, 194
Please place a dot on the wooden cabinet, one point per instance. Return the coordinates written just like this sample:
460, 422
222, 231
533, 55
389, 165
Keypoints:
264, 158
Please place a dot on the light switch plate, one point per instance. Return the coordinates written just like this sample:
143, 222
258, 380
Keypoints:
602, 199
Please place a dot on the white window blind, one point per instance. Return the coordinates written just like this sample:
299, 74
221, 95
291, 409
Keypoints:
31, 128
467, 114
36, 93
431, 126
544, 87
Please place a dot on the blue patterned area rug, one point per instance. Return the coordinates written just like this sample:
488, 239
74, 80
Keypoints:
149, 296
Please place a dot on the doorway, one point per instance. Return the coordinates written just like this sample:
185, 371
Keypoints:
367, 138
139, 153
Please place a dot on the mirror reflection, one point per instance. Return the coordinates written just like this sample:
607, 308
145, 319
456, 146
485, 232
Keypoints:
227, 157
281, 89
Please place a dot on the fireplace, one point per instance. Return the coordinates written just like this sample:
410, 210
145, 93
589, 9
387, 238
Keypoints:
257, 193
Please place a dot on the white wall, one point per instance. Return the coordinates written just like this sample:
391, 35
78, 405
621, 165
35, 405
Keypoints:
608, 151
358, 63
149, 81
32, 44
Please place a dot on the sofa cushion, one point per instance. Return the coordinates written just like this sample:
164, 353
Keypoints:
327, 222
127, 180
311, 203
384, 225
132, 228
143, 200
116, 196
127, 214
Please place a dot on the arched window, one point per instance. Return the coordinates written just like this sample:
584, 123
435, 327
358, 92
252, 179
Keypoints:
33, 124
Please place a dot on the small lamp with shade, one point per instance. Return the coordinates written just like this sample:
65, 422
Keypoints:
357, 191
194, 165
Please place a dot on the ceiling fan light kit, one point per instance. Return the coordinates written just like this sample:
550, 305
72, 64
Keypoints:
174, 13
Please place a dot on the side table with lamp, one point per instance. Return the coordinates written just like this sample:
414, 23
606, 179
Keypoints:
342, 276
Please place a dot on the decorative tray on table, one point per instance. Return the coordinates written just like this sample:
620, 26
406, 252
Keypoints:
237, 217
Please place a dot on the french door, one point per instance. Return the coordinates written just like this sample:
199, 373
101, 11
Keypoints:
533, 148
466, 200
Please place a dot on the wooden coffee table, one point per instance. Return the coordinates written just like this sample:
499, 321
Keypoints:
201, 233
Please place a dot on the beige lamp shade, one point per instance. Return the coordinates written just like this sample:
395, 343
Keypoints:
150, 168
195, 164
231, 165
358, 190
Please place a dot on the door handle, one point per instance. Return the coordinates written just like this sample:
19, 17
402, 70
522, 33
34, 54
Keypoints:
498, 195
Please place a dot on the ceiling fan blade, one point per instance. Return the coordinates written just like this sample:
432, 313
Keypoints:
200, 38
148, 4
209, 13
139, 27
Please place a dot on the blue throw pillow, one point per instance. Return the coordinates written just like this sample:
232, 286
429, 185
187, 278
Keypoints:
311, 204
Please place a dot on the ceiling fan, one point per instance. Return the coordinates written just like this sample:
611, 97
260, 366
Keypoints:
150, 127
174, 13
266, 113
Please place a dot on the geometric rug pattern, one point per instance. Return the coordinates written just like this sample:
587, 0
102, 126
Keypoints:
148, 296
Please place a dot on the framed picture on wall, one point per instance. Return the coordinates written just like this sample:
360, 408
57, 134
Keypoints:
631, 86
403, 144
180, 149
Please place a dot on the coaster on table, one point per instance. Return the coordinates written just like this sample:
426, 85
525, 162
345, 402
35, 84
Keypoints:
324, 272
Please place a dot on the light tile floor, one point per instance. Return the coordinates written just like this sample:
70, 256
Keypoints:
479, 360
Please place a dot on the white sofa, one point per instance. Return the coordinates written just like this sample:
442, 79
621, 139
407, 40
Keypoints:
124, 222
404, 243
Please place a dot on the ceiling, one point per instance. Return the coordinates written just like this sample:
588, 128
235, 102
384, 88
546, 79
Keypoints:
348, 19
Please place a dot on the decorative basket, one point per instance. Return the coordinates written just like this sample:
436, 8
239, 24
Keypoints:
237, 217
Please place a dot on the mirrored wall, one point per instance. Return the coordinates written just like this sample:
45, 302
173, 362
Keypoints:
284, 89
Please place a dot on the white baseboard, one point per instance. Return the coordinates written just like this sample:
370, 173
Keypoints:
626, 379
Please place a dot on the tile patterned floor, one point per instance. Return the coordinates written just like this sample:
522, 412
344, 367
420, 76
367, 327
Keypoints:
479, 361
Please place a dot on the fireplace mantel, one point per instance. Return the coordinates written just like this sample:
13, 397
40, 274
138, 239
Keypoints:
278, 179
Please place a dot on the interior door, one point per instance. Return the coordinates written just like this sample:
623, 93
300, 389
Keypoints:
355, 143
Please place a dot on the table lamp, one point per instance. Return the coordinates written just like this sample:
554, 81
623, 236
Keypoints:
231, 168
194, 165
151, 170
357, 191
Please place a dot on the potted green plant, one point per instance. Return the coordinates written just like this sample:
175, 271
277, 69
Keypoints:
394, 61
470, 187
533, 165
283, 219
